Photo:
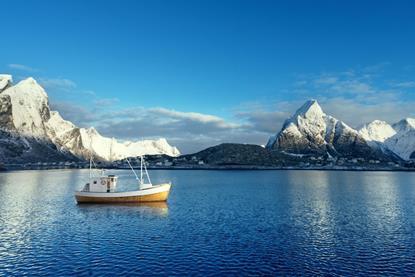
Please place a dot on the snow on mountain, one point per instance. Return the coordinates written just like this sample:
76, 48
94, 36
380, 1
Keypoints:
58, 125
377, 131
24, 110
398, 138
30, 107
311, 131
5, 81
82, 142
85, 141
404, 125
403, 142
160, 146
105, 148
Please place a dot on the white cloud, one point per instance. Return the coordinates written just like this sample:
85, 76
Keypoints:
89, 92
106, 101
193, 116
22, 67
75, 113
190, 131
326, 80
409, 84
57, 84
342, 83
356, 113
261, 120
351, 87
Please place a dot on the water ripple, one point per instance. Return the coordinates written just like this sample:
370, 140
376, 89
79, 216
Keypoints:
216, 223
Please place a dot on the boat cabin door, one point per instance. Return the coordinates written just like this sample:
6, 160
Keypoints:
109, 183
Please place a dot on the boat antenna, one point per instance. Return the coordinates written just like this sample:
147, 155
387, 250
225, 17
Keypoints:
90, 160
141, 169
90, 167
112, 142
136, 177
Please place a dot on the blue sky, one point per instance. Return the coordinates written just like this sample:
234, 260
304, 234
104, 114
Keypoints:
205, 72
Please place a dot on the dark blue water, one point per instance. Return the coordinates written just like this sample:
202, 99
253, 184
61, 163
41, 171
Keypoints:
215, 222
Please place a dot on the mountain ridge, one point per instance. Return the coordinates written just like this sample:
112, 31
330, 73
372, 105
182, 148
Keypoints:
25, 114
398, 138
310, 131
31, 132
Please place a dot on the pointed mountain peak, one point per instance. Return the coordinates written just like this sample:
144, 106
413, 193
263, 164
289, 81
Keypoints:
30, 90
310, 108
30, 81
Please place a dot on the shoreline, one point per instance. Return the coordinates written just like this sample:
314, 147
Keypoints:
222, 168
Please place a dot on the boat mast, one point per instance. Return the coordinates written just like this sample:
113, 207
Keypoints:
141, 169
148, 176
112, 143
90, 160
142, 172
90, 167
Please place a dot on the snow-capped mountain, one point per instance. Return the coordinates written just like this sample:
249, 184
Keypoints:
311, 131
30, 129
398, 138
29, 108
81, 142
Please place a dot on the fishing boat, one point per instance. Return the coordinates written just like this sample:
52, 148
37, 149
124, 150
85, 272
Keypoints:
102, 189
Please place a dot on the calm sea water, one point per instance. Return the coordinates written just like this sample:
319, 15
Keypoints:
215, 222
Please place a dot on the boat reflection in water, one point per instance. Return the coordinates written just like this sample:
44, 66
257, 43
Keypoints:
159, 209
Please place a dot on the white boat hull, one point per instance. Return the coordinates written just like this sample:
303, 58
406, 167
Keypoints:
156, 193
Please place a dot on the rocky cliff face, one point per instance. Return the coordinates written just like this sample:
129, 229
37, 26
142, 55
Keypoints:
31, 132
